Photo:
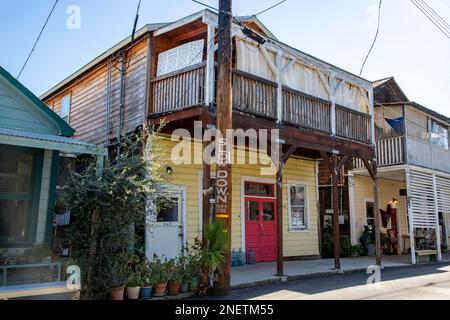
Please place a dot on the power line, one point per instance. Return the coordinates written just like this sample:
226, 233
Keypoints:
270, 8
436, 15
38, 38
135, 22
374, 40
433, 20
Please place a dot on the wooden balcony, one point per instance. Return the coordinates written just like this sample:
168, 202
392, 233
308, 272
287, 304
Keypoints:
259, 97
390, 152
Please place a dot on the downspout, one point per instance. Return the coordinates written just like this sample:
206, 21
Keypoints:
108, 103
121, 99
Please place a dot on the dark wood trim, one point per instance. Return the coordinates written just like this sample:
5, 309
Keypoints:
253, 77
178, 72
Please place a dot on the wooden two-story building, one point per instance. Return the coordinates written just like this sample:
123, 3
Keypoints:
169, 72
414, 168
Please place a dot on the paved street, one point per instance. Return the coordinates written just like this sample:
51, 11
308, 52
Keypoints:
406, 283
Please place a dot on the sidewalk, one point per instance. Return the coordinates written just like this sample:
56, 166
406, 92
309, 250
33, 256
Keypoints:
264, 273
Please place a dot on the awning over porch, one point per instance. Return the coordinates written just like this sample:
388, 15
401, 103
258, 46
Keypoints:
23, 138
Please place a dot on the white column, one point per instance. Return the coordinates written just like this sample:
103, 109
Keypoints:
372, 113
410, 214
438, 229
210, 70
279, 64
351, 198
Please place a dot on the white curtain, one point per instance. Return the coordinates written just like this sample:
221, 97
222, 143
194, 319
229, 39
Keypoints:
301, 78
250, 59
351, 97
297, 76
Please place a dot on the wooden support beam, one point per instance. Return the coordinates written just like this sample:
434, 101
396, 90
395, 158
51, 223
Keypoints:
336, 235
372, 167
283, 159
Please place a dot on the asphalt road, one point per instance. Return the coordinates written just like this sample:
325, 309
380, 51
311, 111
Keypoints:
425, 282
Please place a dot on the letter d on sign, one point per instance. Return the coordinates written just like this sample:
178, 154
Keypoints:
74, 280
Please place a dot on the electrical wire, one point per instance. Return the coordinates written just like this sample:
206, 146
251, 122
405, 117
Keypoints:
374, 40
430, 17
435, 14
270, 8
38, 38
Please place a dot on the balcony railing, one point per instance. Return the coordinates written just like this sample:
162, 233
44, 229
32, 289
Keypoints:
390, 152
353, 125
179, 90
305, 111
257, 96
254, 95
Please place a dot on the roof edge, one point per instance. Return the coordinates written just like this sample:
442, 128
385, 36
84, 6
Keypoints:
64, 128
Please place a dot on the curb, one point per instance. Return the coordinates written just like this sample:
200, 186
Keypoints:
285, 279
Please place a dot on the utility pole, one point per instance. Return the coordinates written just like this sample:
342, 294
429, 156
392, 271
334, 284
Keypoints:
223, 145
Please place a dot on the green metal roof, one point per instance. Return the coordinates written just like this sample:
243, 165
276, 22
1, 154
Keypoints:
64, 128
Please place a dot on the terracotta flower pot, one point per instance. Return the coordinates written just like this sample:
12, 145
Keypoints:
160, 290
174, 288
117, 293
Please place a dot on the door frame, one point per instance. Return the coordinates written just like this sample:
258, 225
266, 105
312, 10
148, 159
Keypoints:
181, 190
245, 179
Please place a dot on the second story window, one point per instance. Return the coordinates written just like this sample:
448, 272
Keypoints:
439, 135
65, 108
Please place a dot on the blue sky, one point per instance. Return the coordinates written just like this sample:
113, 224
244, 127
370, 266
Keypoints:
338, 31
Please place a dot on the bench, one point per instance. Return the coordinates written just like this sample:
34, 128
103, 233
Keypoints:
423, 253
36, 290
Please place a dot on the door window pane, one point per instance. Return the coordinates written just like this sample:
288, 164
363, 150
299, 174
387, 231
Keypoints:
259, 190
269, 211
168, 210
253, 211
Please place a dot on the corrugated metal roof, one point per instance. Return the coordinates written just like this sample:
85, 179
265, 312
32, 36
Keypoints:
40, 137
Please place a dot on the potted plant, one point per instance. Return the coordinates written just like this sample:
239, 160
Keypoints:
117, 279
175, 277
134, 285
148, 281
160, 271
213, 252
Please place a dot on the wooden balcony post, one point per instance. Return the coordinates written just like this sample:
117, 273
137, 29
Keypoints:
210, 70
279, 88
372, 115
336, 235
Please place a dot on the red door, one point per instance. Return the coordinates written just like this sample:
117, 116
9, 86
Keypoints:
261, 228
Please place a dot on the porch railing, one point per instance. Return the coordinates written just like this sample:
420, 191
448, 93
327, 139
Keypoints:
302, 110
258, 96
390, 152
179, 90
254, 95
353, 125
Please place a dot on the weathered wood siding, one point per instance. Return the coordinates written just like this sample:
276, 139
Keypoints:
89, 97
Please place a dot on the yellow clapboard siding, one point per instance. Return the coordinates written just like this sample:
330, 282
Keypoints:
299, 170
388, 190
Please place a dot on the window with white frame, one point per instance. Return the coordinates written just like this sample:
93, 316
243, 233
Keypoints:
298, 209
439, 135
65, 108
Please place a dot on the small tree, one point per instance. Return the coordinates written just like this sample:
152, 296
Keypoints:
109, 211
